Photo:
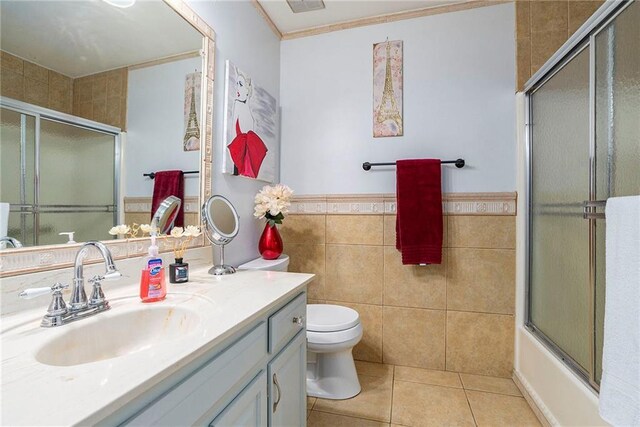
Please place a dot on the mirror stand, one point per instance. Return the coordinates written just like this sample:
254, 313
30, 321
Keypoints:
222, 268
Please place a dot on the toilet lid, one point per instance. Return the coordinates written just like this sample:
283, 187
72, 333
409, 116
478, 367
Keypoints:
330, 318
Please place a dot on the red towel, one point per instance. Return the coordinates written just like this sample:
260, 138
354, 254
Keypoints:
169, 183
419, 209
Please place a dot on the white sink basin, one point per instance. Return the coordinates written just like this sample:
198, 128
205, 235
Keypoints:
114, 334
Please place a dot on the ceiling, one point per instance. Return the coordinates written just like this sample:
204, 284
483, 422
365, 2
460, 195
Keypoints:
79, 38
340, 11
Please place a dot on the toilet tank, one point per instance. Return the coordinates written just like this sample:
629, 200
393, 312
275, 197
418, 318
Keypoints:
279, 264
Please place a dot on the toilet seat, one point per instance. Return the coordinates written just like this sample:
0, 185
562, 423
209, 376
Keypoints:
331, 318
336, 337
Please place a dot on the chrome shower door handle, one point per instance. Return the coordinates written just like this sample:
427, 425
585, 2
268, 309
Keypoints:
275, 382
589, 208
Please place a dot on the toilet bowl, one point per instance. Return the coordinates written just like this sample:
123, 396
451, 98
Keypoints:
332, 332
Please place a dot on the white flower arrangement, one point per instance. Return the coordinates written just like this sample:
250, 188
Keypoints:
272, 203
182, 237
132, 231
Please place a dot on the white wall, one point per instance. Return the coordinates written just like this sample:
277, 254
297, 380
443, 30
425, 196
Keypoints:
459, 79
243, 37
155, 127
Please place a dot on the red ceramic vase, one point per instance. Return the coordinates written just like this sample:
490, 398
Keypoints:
270, 244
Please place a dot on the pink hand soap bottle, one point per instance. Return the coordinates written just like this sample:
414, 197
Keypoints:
152, 281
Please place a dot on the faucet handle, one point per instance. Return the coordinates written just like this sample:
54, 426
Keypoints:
36, 292
97, 296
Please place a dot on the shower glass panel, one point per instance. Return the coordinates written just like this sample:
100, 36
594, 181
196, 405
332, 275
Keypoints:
66, 175
17, 155
93, 224
617, 107
79, 169
559, 236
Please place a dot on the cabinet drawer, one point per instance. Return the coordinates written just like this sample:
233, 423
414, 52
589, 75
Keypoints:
287, 322
200, 393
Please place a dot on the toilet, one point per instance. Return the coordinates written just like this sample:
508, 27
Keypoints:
332, 332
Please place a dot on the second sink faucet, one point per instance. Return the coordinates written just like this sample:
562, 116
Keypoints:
78, 295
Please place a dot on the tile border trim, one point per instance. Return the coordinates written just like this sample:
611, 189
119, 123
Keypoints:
503, 204
143, 204
43, 258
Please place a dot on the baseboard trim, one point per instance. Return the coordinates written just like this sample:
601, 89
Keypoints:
543, 414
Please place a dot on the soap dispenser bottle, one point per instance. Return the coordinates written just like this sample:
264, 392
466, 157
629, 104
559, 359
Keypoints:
152, 282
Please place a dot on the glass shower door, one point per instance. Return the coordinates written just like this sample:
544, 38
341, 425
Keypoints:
77, 182
559, 236
617, 136
17, 160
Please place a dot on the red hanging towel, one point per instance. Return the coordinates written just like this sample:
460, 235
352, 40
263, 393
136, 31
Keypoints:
419, 211
169, 183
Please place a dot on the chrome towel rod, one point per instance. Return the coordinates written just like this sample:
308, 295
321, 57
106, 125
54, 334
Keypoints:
152, 175
458, 162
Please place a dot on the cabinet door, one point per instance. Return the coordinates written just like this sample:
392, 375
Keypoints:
287, 385
249, 409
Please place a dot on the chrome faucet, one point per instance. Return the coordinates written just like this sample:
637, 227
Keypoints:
78, 296
79, 307
12, 241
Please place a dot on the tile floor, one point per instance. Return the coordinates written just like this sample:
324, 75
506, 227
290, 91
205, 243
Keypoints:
402, 396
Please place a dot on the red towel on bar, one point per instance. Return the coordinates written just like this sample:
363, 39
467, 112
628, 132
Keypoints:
419, 209
169, 183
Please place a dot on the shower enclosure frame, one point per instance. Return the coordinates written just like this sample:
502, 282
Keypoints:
581, 40
38, 113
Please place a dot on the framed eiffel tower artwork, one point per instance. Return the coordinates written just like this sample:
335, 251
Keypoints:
251, 139
387, 89
191, 141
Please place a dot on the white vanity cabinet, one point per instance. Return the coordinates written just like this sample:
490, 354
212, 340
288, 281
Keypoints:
256, 378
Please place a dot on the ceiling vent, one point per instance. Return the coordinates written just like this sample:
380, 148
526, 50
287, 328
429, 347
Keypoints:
299, 6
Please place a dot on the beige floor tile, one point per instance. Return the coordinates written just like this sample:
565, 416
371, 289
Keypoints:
427, 376
378, 370
310, 402
413, 337
373, 402
325, 419
428, 405
355, 229
490, 384
414, 285
496, 410
370, 346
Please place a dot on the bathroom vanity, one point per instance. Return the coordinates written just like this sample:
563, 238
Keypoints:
219, 351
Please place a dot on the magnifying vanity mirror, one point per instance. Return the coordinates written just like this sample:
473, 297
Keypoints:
96, 103
166, 214
221, 226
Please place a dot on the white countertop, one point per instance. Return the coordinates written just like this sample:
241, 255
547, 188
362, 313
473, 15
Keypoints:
34, 393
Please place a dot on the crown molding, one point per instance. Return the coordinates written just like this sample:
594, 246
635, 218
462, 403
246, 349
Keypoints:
267, 18
374, 20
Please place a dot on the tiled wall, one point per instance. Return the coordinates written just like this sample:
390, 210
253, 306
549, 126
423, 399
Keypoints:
29, 82
456, 316
542, 27
102, 97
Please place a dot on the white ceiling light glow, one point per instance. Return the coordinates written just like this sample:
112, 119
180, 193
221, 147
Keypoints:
120, 3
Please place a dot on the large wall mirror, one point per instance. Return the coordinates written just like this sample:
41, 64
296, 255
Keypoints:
96, 98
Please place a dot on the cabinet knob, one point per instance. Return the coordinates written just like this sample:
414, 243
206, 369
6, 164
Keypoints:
298, 320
